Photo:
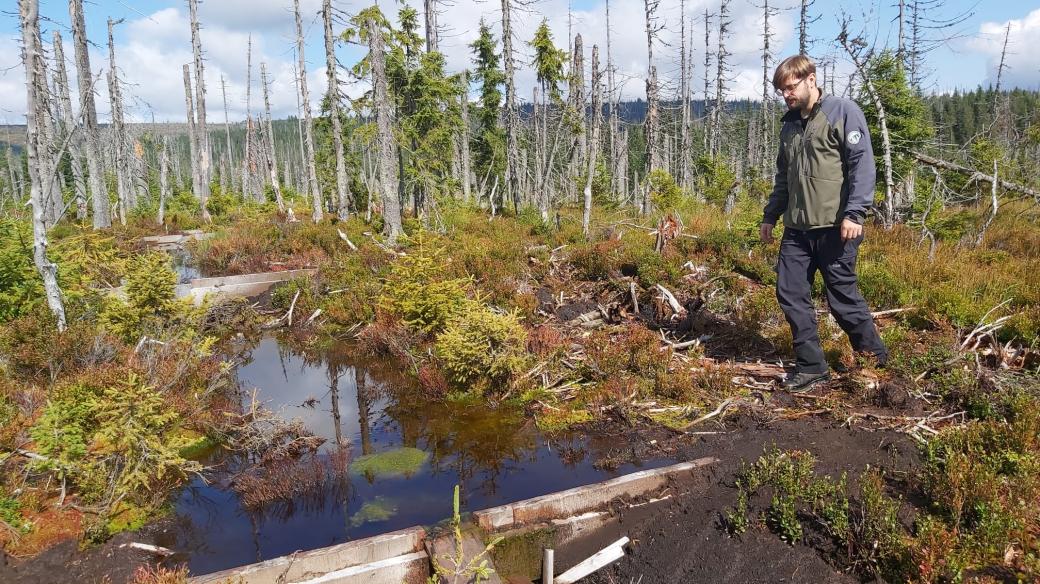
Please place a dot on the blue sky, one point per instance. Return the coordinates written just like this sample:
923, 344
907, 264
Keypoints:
153, 42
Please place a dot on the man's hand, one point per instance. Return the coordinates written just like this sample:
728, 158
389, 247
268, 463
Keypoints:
765, 233
850, 230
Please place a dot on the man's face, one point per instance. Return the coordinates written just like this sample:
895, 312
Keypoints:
796, 91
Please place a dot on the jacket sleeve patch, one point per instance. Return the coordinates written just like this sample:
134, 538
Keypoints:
853, 137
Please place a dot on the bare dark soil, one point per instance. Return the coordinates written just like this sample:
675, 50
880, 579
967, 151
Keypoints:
685, 540
109, 563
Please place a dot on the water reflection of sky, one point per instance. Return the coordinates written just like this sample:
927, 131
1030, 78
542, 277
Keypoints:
497, 458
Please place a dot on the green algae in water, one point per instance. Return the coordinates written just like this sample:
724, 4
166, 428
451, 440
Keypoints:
404, 461
378, 509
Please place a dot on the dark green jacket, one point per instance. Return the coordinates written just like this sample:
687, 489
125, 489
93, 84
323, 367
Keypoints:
825, 170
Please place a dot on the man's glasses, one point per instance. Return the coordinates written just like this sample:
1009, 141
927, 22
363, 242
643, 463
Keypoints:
790, 87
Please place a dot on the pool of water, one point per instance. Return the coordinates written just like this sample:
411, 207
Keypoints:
363, 408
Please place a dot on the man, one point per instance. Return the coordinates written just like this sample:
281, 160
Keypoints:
824, 186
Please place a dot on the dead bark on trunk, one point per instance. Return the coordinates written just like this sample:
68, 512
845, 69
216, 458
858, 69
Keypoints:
613, 125
464, 146
102, 212
343, 194
721, 70
597, 105
386, 170
228, 156
511, 114
36, 101
272, 161
653, 153
122, 162
164, 179
430, 7
201, 131
193, 138
685, 68
305, 97
577, 99
248, 181
70, 128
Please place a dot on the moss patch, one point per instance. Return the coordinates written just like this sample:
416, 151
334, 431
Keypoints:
520, 554
404, 461
378, 509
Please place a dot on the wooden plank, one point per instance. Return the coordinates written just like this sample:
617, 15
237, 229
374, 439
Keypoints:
580, 500
314, 563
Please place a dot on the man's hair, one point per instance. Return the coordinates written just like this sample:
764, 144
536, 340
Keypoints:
797, 67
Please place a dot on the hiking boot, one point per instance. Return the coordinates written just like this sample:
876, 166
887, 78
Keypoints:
802, 382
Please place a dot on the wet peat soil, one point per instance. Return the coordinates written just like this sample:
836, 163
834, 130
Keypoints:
686, 541
683, 540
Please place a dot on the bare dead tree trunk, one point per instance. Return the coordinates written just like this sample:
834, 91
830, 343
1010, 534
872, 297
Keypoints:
767, 102
707, 82
901, 43
650, 126
118, 129
886, 140
803, 27
36, 102
511, 114
464, 146
249, 186
164, 179
69, 127
272, 161
597, 106
202, 132
48, 154
342, 182
228, 158
193, 136
102, 213
685, 63
577, 98
308, 123
721, 71
994, 205
386, 170
430, 7
613, 145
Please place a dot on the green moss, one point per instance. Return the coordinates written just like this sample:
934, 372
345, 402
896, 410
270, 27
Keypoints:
520, 554
378, 509
404, 461
554, 420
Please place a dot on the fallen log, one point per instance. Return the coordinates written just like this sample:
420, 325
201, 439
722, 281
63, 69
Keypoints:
976, 175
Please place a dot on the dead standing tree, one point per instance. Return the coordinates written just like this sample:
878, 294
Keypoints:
201, 132
386, 170
69, 127
102, 213
512, 118
272, 160
124, 180
855, 48
308, 123
721, 73
331, 66
650, 128
767, 90
597, 106
36, 102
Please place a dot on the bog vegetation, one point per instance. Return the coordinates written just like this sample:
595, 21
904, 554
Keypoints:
522, 257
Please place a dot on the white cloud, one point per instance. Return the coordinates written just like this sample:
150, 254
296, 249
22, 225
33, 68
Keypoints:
152, 48
1022, 61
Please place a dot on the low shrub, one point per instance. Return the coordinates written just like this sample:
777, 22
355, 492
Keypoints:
480, 349
417, 292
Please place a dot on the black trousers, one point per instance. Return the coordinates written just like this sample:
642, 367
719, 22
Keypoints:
802, 253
